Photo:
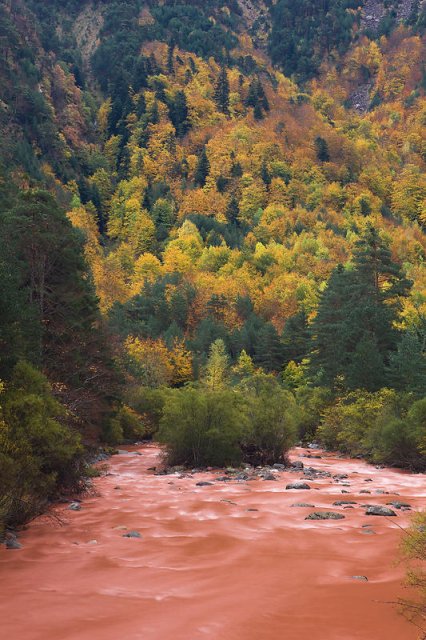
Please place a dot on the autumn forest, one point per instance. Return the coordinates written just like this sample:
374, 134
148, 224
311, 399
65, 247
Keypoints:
212, 233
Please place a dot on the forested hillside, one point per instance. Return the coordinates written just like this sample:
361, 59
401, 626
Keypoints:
214, 210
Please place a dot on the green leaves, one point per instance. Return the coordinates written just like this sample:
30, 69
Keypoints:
39, 454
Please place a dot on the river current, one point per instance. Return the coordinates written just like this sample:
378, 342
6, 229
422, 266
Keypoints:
225, 561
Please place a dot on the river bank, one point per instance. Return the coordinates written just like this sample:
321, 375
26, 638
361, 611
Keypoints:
228, 560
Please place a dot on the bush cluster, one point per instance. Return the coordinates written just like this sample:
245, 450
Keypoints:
39, 456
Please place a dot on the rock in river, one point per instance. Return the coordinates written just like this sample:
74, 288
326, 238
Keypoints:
325, 515
269, 476
400, 505
379, 510
298, 485
132, 534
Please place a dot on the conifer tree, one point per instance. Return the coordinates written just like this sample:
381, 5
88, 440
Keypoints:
178, 110
321, 148
357, 315
296, 338
221, 91
268, 351
170, 57
202, 169
407, 369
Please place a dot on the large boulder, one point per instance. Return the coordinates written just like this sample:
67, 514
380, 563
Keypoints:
399, 505
298, 485
325, 515
379, 510
269, 476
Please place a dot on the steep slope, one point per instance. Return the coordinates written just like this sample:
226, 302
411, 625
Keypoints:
247, 183
284, 181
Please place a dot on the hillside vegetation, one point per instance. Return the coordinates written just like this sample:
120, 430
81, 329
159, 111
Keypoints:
211, 211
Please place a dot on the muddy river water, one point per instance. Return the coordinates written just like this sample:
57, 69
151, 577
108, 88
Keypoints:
225, 561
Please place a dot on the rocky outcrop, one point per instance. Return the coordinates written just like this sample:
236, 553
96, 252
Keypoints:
258, 21
86, 30
374, 11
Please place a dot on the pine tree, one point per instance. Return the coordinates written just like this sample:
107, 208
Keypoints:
170, 57
202, 169
329, 358
251, 99
321, 148
257, 112
261, 96
233, 211
366, 369
266, 176
268, 350
296, 338
178, 111
357, 315
407, 369
221, 91
56, 283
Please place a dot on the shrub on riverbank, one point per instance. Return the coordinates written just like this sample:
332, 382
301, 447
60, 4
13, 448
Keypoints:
414, 550
202, 427
39, 455
271, 419
256, 421
384, 426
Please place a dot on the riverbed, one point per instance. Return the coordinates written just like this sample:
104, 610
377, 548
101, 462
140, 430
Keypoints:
230, 560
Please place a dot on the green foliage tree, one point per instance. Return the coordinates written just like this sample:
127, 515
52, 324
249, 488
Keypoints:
201, 427
40, 456
217, 367
271, 419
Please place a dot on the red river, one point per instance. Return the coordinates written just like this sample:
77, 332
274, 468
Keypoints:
229, 561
